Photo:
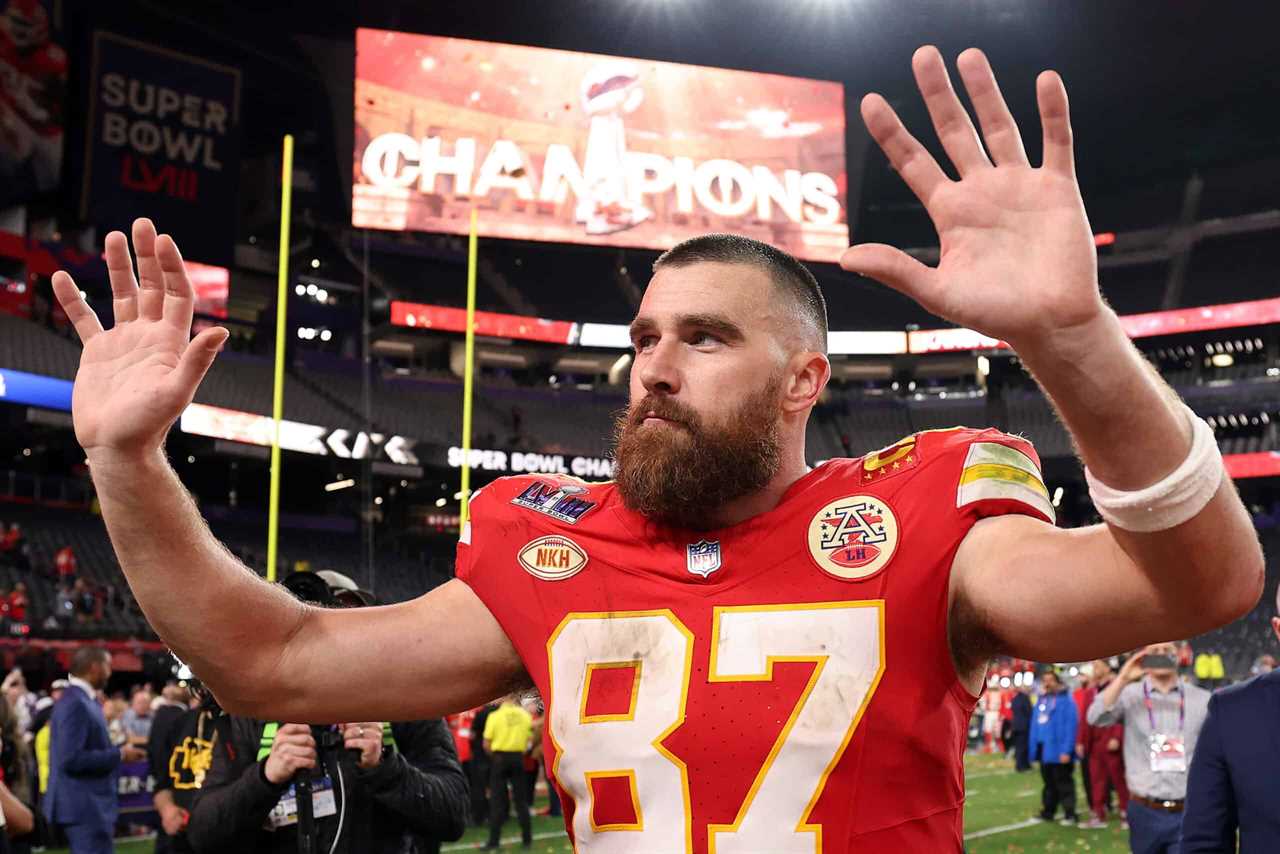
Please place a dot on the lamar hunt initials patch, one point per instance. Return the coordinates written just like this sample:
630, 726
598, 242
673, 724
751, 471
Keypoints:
553, 558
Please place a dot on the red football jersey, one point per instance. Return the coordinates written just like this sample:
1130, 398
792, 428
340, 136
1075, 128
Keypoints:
782, 685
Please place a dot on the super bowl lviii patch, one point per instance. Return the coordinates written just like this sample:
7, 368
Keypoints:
565, 502
853, 538
993, 471
553, 558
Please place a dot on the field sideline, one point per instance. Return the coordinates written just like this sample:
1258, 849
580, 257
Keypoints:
997, 810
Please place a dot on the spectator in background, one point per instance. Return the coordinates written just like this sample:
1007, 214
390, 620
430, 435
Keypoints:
181, 752
1101, 749
507, 732
1265, 664
1232, 790
39, 733
14, 550
83, 764
1020, 726
136, 719
64, 561
64, 607
113, 709
483, 762
84, 601
1082, 696
1053, 743
18, 603
462, 726
16, 770
1162, 718
21, 700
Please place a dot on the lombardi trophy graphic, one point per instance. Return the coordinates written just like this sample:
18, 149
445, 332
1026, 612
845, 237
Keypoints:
609, 91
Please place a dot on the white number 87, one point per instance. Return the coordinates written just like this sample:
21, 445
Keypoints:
844, 641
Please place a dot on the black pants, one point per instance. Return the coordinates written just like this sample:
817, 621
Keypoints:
1059, 788
477, 772
508, 768
1084, 778
1021, 750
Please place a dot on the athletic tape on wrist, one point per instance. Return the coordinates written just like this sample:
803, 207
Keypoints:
1171, 501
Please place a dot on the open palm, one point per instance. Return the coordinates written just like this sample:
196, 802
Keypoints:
136, 378
1017, 259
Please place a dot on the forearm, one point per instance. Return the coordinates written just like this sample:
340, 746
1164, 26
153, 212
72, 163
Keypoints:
166, 552
18, 818
1104, 711
1129, 428
163, 800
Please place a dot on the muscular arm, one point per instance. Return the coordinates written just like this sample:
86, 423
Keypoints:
1051, 594
1018, 263
266, 655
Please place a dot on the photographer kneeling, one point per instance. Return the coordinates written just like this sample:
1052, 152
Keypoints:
374, 787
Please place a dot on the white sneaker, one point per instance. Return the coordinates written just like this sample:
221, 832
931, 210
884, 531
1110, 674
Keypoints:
1094, 823
1067, 822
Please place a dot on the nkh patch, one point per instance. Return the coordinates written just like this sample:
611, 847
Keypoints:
553, 558
703, 557
561, 501
853, 538
998, 472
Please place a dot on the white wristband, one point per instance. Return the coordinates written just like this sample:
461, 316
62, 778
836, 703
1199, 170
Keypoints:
1173, 500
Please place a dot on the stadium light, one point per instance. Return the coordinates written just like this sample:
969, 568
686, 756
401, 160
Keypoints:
440, 502
1223, 360
315, 263
339, 484
1057, 496
299, 290
378, 500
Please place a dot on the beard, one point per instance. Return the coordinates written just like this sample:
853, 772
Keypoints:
681, 474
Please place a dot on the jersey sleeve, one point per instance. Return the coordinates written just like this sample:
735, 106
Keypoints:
997, 474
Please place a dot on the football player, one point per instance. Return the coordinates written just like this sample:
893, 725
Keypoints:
739, 652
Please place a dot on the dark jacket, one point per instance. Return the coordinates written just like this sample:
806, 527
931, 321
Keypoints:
83, 764
417, 794
1021, 707
1233, 783
181, 749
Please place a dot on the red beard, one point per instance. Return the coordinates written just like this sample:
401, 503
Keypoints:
681, 474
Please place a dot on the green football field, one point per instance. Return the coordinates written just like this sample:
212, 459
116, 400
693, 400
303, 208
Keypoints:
997, 811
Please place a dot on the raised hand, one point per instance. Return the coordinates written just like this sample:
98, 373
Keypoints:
1018, 260
136, 378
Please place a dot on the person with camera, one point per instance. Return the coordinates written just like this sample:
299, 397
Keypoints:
374, 787
1162, 718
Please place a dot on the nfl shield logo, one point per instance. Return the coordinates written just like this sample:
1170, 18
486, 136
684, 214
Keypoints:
704, 557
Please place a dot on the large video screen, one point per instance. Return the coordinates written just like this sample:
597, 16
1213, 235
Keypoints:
583, 148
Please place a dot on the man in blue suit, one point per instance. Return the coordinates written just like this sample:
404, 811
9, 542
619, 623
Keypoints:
1233, 785
83, 764
1053, 742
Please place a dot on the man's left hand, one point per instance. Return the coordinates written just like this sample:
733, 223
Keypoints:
1018, 261
1065, 759
367, 738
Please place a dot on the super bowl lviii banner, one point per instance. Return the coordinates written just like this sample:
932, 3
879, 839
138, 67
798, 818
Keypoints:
583, 148
164, 142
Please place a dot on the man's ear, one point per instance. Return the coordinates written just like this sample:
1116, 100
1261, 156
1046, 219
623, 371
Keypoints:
808, 373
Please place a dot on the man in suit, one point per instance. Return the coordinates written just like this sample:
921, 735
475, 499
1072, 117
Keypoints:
1232, 785
83, 764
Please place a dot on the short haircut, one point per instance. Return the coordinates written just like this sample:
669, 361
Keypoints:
85, 657
789, 276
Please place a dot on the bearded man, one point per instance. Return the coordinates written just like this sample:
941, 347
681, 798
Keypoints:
738, 652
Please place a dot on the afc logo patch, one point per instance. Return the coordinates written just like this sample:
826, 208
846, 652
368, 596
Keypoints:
853, 538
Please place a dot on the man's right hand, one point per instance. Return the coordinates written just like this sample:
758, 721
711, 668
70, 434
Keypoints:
1132, 670
136, 378
173, 818
292, 749
130, 753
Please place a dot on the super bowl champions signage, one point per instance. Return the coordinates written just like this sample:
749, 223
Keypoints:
164, 138
583, 148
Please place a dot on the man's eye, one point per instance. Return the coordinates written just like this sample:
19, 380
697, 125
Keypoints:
703, 338
644, 342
